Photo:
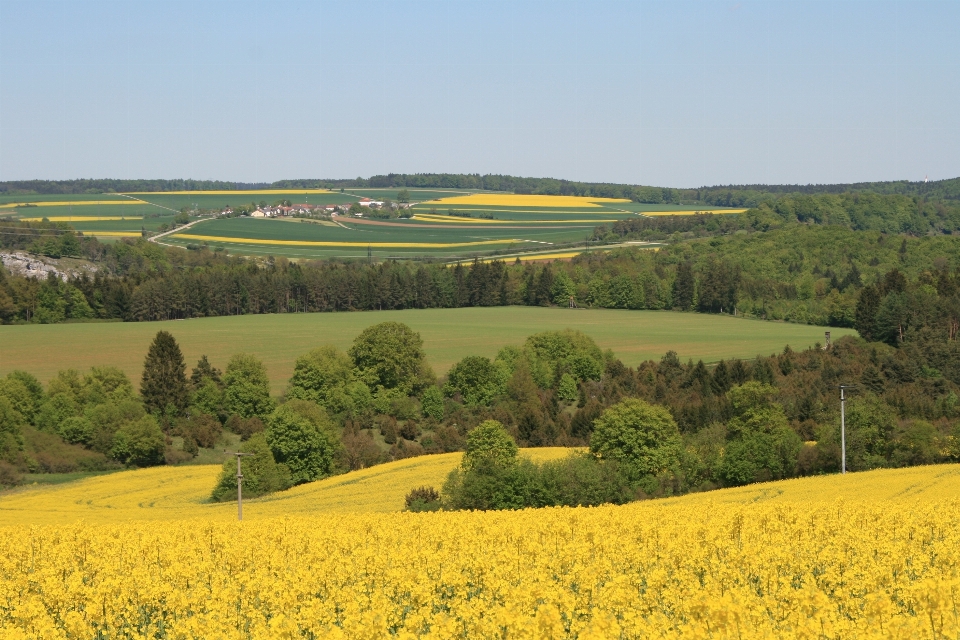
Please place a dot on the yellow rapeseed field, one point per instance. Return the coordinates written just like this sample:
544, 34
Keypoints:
165, 493
317, 243
869, 555
512, 200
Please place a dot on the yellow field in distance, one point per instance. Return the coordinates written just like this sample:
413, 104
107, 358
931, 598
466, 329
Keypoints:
426, 217
318, 243
689, 213
82, 218
169, 493
225, 193
514, 200
78, 203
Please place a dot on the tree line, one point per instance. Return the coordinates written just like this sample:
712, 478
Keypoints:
110, 185
719, 195
806, 274
662, 428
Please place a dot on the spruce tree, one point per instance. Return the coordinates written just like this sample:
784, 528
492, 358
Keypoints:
202, 371
868, 304
683, 287
164, 381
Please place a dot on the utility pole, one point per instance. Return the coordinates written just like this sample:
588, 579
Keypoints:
239, 455
843, 427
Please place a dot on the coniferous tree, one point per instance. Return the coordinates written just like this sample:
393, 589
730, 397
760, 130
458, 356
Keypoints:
738, 372
683, 287
720, 382
164, 381
203, 371
866, 315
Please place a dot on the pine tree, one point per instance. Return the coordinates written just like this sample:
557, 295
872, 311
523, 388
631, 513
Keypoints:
683, 287
720, 381
164, 381
866, 315
738, 372
202, 371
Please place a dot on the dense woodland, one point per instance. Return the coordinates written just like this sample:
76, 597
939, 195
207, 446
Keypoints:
800, 273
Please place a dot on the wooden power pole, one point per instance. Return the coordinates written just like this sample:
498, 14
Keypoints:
239, 455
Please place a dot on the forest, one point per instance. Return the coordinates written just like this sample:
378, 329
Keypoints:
799, 273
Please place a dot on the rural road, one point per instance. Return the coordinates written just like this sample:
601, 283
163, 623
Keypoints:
174, 230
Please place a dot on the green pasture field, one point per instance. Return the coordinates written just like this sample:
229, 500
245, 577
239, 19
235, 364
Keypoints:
449, 335
135, 217
235, 230
94, 211
60, 197
220, 200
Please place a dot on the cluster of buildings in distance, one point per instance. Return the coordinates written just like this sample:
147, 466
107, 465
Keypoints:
325, 209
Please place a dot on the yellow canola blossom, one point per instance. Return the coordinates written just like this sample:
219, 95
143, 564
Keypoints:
513, 200
82, 218
534, 257
317, 243
867, 555
832, 570
169, 493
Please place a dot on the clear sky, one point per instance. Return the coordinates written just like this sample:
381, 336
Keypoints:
672, 93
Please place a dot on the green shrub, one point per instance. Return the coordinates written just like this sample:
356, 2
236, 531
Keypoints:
300, 436
489, 444
261, 473
247, 387
139, 444
641, 437
431, 404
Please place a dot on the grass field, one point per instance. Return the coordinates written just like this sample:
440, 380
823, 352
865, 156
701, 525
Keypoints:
449, 335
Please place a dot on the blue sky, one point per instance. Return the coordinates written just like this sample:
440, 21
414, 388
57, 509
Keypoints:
676, 94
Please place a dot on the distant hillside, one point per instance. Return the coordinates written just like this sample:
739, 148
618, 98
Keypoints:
720, 195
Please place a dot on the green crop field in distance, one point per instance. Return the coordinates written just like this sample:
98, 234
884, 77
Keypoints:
60, 197
449, 335
255, 236
221, 200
